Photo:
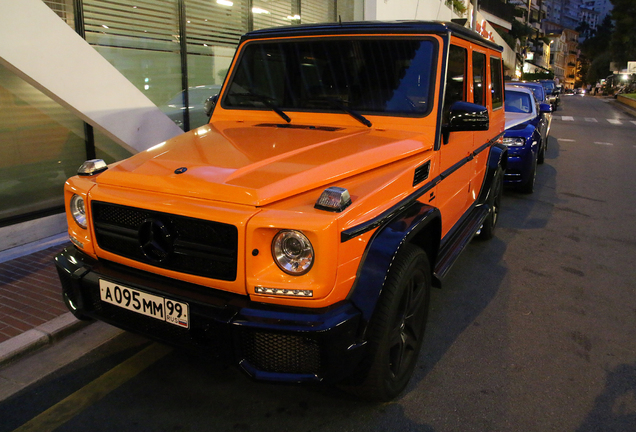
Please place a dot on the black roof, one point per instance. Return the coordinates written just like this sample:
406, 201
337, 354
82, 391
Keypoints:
371, 27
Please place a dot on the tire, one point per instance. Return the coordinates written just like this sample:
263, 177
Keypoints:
487, 230
528, 186
396, 330
541, 155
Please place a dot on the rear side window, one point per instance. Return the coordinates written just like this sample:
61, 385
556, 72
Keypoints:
479, 78
496, 82
456, 77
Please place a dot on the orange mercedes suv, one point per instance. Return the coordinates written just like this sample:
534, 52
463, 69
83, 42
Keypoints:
297, 235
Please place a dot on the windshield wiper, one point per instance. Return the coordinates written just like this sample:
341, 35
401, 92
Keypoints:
339, 103
266, 100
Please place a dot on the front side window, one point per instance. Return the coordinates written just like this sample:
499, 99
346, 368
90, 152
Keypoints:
455, 78
392, 76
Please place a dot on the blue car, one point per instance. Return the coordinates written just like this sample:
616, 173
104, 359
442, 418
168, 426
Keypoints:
525, 126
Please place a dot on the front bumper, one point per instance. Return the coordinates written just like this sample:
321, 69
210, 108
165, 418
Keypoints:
268, 342
519, 168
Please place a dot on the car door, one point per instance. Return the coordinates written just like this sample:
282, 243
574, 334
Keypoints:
453, 190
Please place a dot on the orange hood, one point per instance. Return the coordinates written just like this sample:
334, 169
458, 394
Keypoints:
256, 164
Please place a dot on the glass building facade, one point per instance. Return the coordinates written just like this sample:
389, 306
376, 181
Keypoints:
177, 52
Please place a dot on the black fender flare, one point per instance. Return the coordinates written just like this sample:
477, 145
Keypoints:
408, 226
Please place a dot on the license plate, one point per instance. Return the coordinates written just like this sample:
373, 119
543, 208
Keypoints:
161, 308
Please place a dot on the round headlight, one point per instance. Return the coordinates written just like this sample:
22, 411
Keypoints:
293, 252
78, 211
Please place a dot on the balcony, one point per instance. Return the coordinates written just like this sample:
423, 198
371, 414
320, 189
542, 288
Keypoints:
498, 8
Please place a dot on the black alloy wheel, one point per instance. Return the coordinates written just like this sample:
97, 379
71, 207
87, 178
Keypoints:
397, 328
487, 230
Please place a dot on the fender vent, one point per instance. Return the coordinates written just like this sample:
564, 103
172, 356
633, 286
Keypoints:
421, 173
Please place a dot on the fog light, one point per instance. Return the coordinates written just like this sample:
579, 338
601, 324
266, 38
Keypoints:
283, 292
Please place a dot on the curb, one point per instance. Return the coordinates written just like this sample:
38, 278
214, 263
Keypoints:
627, 109
38, 337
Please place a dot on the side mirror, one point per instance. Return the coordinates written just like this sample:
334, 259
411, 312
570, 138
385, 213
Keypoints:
545, 108
209, 105
466, 116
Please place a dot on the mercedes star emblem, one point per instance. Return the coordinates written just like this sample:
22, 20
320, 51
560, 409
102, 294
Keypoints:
155, 240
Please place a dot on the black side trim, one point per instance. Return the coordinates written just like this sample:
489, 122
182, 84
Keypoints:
382, 218
387, 215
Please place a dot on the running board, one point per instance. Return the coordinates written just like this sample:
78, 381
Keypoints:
451, 250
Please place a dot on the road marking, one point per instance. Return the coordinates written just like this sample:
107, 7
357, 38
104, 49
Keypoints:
567, 118
92, 392
566, 140
591, 119
634, 121
614, 121
603, 143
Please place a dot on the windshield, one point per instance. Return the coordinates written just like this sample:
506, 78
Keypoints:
518, 102
536, 89
368, 75
548, 86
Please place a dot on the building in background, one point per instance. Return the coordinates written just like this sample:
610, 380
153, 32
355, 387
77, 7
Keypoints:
176, 52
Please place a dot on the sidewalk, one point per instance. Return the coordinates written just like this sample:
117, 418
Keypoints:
32, 313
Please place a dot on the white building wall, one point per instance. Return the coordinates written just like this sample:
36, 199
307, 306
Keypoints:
389, 10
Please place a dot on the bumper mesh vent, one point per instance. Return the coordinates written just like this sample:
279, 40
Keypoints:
281, 353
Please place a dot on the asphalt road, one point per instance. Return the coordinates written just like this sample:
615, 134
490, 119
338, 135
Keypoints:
533, 330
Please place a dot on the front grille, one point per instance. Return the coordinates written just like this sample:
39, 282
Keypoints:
281, 353
193, 246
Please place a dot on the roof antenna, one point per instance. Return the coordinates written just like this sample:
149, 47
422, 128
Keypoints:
339, 19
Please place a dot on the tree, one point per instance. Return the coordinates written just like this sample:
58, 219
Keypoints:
623, 40
595, 57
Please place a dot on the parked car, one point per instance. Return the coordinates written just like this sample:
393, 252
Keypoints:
541, 97
523, 137
196, 98
299, 233
552, 92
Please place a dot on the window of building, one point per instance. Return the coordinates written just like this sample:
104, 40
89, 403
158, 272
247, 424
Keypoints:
41, 145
